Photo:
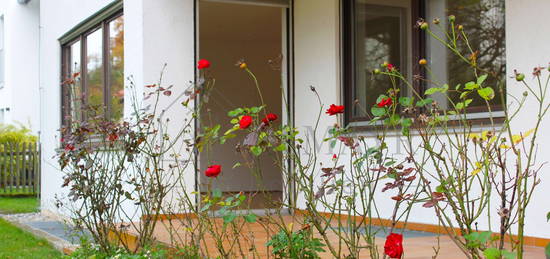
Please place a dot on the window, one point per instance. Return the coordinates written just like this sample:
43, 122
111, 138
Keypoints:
483, 22
1, 51
378, 31
96, 55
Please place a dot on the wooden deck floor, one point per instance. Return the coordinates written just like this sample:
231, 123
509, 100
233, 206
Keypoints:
178, 231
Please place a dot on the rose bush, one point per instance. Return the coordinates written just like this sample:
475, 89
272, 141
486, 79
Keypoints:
447, 168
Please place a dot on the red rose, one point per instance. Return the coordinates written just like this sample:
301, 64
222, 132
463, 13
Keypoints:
334, 156
213, 171
385, 102
335, 109
203, 63
394, 245
112, 137
269, 117
69, 147
245, 122
390, 67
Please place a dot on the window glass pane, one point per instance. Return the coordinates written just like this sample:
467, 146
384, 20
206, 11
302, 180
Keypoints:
379, 37
75, 90
483, 22
116, 72
94, 75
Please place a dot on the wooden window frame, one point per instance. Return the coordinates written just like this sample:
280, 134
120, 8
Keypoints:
419, 50
100, 20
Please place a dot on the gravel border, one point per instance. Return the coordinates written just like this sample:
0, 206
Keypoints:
20, 221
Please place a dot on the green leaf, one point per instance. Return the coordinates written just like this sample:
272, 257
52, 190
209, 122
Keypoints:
250, 218
405, 131
229, 217
492, 253
424, 102
256, 150
464, 94
236, 165
255, 109
432, 90
471, 86
234, 121
377, 111
547, 250
205, 208
507, 254
457, 87
440, 188
476, 239
406, 101
484, 236
242, 197
486, 93
462, 105
236, 112
393, 120
407, 122
217, 193
548, 217
481, 79
281, 147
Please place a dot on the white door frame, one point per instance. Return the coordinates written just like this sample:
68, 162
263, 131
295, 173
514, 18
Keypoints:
287, 71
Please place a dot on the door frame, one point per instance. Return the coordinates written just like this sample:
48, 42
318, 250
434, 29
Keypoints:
287, 45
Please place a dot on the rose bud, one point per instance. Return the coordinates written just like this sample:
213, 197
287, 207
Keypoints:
452, 18
520, 77
424, 26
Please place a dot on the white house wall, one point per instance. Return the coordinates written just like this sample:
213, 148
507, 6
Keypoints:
159, 32
527, 38
156, 33
317, 63
21, 51
56, 18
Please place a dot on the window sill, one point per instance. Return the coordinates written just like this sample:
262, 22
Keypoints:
478, 121
98, 144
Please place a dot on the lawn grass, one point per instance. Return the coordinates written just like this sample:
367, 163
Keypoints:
16, 243
15, 204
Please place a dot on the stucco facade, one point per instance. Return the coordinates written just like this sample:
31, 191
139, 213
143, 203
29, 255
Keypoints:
159, 32
19, 91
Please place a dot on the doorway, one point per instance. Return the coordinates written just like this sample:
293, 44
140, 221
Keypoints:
253, 32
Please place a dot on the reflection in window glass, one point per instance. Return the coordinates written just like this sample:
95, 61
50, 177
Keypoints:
483, 22
94, 66
75, 92
116, 69
379, 38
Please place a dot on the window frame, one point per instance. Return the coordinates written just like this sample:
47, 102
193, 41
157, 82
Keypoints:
99, 21
419, 50
348, 52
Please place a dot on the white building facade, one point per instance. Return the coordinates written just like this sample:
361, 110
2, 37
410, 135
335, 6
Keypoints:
309, 37
19, 52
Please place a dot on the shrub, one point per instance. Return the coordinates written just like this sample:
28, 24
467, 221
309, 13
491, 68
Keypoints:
10, 134
299, 244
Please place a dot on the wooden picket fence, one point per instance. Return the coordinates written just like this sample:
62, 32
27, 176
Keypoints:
20, 169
